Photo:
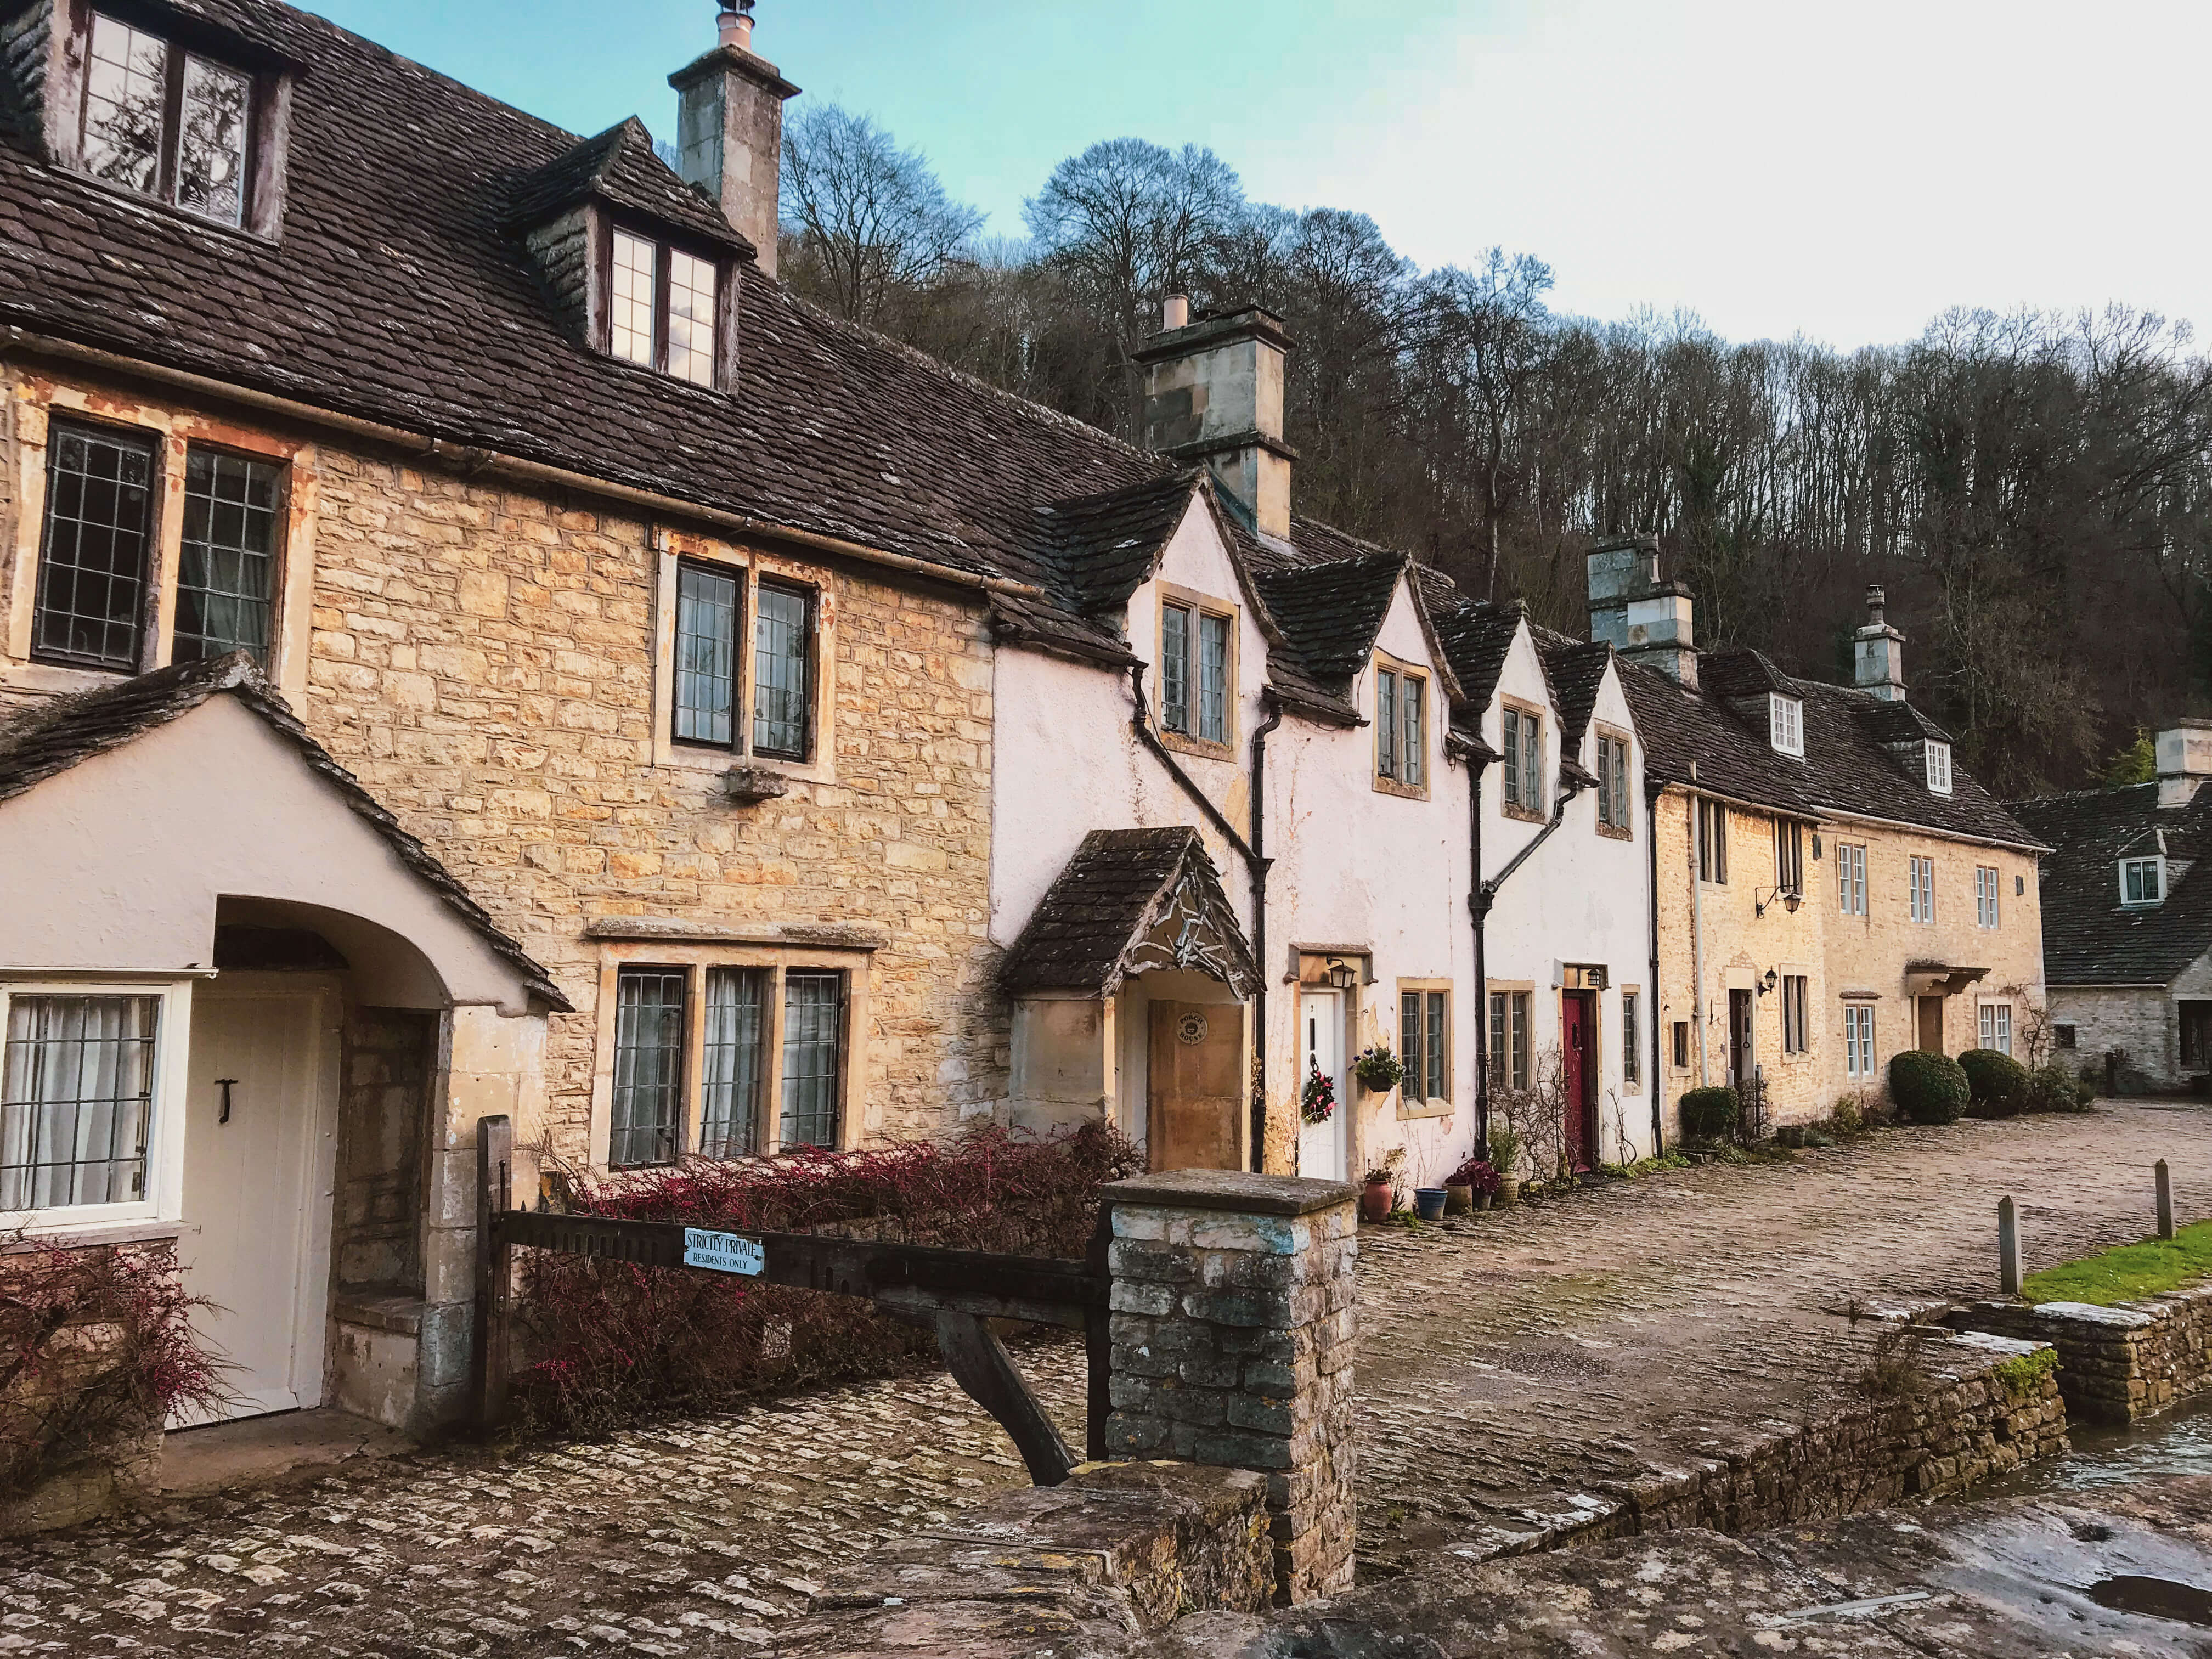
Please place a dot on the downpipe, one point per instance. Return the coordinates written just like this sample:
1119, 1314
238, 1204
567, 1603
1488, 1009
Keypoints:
1481, 896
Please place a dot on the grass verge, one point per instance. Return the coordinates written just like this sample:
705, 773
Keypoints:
2129, 1273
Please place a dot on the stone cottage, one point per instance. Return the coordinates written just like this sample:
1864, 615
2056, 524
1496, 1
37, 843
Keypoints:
2127, 918
1829, 886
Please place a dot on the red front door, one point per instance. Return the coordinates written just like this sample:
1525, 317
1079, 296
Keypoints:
1581, 1051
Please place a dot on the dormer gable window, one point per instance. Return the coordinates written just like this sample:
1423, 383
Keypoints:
168, 106
2143, 881
661, 305
1785, 724
1939, 767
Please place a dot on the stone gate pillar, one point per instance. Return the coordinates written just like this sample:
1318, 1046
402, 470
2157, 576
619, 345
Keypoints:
1233, 1329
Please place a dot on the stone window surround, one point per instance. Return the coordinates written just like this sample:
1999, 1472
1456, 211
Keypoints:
1412, 1106
1502, 1063
160, 1213
268, 124
1625, 830
1191, 599
1408, 671
674, 547
694, 956
38, 401
2011, 1033
1851, 1001
1632, 1052
1510, 808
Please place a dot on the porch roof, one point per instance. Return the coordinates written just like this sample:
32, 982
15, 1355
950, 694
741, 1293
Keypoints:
1130, 901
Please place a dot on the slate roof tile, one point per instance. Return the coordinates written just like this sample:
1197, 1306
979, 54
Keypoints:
1076, 938
620, 166
2089, 938
65, 732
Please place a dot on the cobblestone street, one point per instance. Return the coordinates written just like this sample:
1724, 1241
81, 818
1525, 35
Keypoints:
1508, 1367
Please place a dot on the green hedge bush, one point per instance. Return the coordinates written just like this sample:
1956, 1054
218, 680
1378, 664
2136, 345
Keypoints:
1711, 1114
1996, 1082
1929, 1088
2055, 1088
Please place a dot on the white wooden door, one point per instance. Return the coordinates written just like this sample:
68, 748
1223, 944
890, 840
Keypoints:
257, 1185
1321, 1046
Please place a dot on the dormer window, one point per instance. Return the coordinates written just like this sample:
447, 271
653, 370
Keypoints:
2143, 881
165, 122
661, 307
1785, 724
1939, 767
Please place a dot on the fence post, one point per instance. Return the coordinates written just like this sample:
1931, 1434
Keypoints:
2165, 1201
2008, 1248
494, 1276
1098, 1338
1233, 1329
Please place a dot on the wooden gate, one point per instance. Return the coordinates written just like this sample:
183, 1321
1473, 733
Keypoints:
954, 1292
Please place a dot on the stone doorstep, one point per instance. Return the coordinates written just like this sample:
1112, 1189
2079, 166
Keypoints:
402, 1316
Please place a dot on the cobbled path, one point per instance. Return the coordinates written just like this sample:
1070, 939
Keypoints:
1509, 1366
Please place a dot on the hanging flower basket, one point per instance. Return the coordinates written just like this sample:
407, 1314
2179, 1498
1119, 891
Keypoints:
1379, 1071
1319, 1102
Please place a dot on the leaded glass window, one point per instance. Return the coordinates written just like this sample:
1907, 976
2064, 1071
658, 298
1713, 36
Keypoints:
648, 1065
813, 1029
227, 565
1424, 1020
783, 654
211, 146
1174, 668
126, 96
165, 122
1386, 725
707, 606
631, 296
731, 1061
690, 319
1413, 725
92, 574
1212, 677
76, 1097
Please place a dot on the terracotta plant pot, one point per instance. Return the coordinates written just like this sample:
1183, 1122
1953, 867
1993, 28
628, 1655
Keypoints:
1375, 1202
1459, 1200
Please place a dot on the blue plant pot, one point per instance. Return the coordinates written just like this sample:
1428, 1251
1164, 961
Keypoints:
1429, 1203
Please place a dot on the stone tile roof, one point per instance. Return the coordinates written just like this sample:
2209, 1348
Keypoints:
1475, 634
63, 732
2089, 938
1332, 611
621, 167
1846, 768
1091, 921
1105, 546
1575, 669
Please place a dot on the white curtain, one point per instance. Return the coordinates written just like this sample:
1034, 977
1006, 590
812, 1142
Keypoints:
75, 1100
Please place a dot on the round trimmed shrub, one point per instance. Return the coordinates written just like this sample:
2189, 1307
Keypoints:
1996, 1082
1711, 1114
2055, 1088
1929, 1088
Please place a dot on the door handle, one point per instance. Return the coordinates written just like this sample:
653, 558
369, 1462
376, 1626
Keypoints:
224, 1083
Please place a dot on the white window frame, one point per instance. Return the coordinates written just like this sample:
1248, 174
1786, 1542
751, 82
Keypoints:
1997, 1026
1939, 767
1922, 883
1785, 724
1987, 913
1851, 877
165, 1132
1858, 1039
2158, 869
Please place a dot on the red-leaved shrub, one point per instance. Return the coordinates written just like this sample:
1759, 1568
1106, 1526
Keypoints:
611, 1342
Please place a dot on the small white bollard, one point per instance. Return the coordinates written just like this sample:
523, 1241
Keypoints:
2165, 1201
2008, 1248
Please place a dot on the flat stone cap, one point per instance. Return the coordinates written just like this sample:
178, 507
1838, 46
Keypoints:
1229, 1189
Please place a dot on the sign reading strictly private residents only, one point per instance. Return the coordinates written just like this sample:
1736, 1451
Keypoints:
723, 1253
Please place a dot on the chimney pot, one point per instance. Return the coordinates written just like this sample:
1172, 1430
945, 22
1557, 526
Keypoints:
1174, 312
1875, 601
734, 26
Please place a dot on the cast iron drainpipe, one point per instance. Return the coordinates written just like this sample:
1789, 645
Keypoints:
1255, 868
1657, 1084
1479, 900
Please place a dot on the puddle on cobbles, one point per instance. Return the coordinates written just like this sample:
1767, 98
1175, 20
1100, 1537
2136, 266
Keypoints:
2178, 1443
2160, 1598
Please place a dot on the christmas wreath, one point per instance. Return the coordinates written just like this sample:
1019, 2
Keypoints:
1320, 1099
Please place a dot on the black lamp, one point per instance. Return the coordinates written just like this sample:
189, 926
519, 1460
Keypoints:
1341, 973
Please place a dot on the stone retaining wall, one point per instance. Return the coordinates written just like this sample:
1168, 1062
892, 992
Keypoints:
2116, 1365
1119, 1550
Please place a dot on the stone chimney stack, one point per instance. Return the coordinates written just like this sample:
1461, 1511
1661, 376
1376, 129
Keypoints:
1213, 393
729, 128
1878, 656
1642, 618
2184, 760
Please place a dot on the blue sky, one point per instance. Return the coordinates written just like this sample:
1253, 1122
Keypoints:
1779, 166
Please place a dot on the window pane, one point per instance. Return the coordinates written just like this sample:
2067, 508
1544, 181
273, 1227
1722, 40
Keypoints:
92, 579
75, 1101
1174, 669
1512, 747
812, 1014
1531, 762
1521, 1039
630, 309
1409, 1040
783, 654
1213, 679
1410, 754
1386, 724
1497, 1055
227, 565
1630, 1067
706, 655
690, 319
730, 1062
125, 93
648, 1065
1433, 1052
212, 141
